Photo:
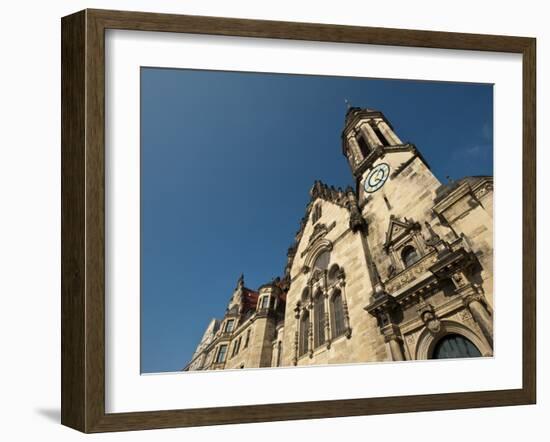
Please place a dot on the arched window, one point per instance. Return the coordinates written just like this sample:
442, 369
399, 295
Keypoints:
333, 273
409, 256
338, 327
319, 319
455, 346
322, 261
304, 334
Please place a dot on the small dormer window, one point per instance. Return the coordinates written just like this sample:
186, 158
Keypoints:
409, 256
229, 325
264, 302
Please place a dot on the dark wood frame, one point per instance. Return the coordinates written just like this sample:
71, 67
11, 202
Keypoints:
83, 216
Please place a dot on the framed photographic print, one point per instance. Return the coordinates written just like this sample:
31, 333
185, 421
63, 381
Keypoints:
268, 220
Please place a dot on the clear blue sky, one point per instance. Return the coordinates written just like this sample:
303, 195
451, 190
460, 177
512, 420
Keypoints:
227, 160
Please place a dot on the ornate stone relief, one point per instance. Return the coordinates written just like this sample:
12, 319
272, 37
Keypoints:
428, 317
408, 275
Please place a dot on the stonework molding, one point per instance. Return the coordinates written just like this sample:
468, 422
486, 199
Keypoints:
427, 340
320, 246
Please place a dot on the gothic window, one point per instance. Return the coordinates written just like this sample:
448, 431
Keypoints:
316, 213
305, 295
409, 255
319, 319
455, 346
333, 273
229, 325
221, 353
247, 339
338, 327
304, 332
363, 146
322, 261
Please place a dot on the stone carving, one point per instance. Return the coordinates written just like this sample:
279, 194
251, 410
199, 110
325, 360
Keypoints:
459, 279
484, 189
356, 221
410, 274
465, 315
428, 317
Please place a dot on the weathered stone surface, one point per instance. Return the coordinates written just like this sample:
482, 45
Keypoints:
407, 265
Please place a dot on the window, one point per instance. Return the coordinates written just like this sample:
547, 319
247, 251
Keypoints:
304, 334
338, 327
264, 302
229, 325
279, 351
221, 353
455, 346
316, 213
319, 318
236, 347
247, 340
409, 256
333, 273
322, 261
363, 146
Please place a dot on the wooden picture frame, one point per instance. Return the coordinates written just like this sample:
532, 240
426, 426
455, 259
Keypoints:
83, 220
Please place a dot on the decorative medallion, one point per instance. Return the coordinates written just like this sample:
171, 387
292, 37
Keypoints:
377, 177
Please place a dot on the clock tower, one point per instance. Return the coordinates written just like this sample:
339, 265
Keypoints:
394, 183
376, 154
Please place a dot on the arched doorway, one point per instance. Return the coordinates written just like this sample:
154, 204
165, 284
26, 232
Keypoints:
455, 346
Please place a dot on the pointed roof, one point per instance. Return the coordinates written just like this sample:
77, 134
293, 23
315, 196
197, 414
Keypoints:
397, 229
335, 195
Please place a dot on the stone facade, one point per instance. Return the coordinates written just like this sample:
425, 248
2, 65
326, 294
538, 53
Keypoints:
399, 268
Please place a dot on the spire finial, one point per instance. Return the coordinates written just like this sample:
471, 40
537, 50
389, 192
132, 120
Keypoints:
240, 281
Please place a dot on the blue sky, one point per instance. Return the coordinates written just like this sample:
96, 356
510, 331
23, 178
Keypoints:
227, 161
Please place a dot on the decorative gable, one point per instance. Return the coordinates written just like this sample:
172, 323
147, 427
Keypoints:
404, 244
399, 230
319, 191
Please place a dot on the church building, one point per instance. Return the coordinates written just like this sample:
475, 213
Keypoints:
398, 268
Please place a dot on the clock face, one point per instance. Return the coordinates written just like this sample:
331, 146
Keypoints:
376, 177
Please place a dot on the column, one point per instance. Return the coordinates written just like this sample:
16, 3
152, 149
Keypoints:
482, 317
391, 334
395, 348
388, 133
356, 152
342, 286
327, 319
310, 334
296, 335
371, 136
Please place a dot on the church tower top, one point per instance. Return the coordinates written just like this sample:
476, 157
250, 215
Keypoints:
366, 134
